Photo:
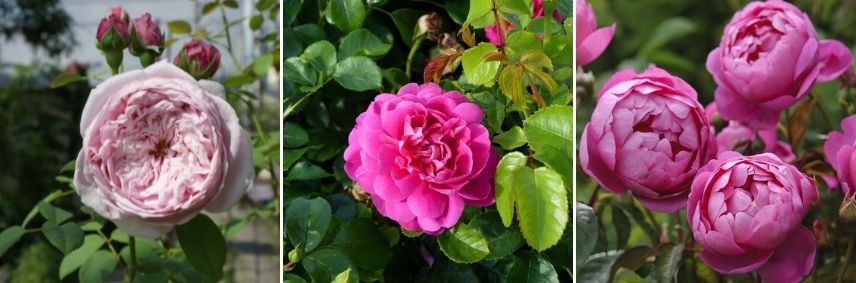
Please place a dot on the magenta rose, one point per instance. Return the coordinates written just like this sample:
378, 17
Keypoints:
199, 58
648, 134
591, 41
158, 148
840, 150
746, 211
422, 155
495, 35
768, 58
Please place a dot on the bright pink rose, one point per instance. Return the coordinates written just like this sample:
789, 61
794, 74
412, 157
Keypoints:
746, 211
840, 150
422, 155
648, 134
591, 41
147, 31
495, 35
768, 58
199, 58
158, 148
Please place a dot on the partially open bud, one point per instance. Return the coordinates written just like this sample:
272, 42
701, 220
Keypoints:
431, 25
847, 212
198, 58
146, 40
113, 36
295, 255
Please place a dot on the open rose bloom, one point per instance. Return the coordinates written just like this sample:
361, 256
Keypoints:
422, 155
158, 148
590, 40
747, 213
840, 150
648, 135
768, 58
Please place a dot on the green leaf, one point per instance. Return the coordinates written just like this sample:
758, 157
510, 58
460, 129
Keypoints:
75, 258
262, 64
624, 275
65, 238
305, 170
119, 236
531, 268
550, 135
306, 221
480, 14
292, 278
321, 55
511, 85
511, 139
179, 27
208, 8
668, 261
358, 73
632, 258
520, 42
463, 244
362, 42
515, 6
542, 205
347, 15
405, 21
668, 30
293, 135
9, 237
559, 49
622, 226
587, 230
501, 241
597, 269
325, 264
347, 276
478, 71
504, 183
98, 268
256, 22
298, 71
457, 10
289, 156
230, 4
203, 245
361, 235
65, 78
262, 5
52, 213
562, 254
239, 80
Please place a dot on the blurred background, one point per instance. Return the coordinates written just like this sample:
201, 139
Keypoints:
40, 39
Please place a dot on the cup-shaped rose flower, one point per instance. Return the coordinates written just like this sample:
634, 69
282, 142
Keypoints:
746, 211
496, 36
768, 58
158, 148
146, 39
198, 58
648, 134
840, 150
591, 41
422, 155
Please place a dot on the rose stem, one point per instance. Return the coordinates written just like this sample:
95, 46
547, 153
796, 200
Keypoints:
843, 271
653, 223
538, 99
823, 113
416, 44
132, 243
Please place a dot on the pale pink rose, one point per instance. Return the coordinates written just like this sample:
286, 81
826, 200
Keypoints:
648, 135
590, 41
747, 213
158, 148
422, 155
768, 58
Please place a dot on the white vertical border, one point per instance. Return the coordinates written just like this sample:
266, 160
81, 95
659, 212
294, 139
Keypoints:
279, 193
574, 144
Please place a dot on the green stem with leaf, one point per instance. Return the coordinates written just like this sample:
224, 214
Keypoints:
132, 245
416, 44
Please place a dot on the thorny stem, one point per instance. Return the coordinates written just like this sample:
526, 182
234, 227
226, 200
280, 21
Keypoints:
850, 242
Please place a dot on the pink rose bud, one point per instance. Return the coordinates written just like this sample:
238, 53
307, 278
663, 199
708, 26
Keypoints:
199, 58
747, 213
768, 58
591, 41
495, 35
422, 155
113, 33
840, 150
119, 12
158, 148
648, 134
146, 40
736, 137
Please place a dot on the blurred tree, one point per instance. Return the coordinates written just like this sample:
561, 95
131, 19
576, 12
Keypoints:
41, 23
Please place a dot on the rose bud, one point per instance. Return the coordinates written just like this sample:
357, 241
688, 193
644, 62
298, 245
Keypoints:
591, 41
198, 58
496, 36
648, 135
146, 40
158, 148
840, 151
747, 213
113, 36
768, 58
422, 155
736, 137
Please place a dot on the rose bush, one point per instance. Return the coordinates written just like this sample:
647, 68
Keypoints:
776, 90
